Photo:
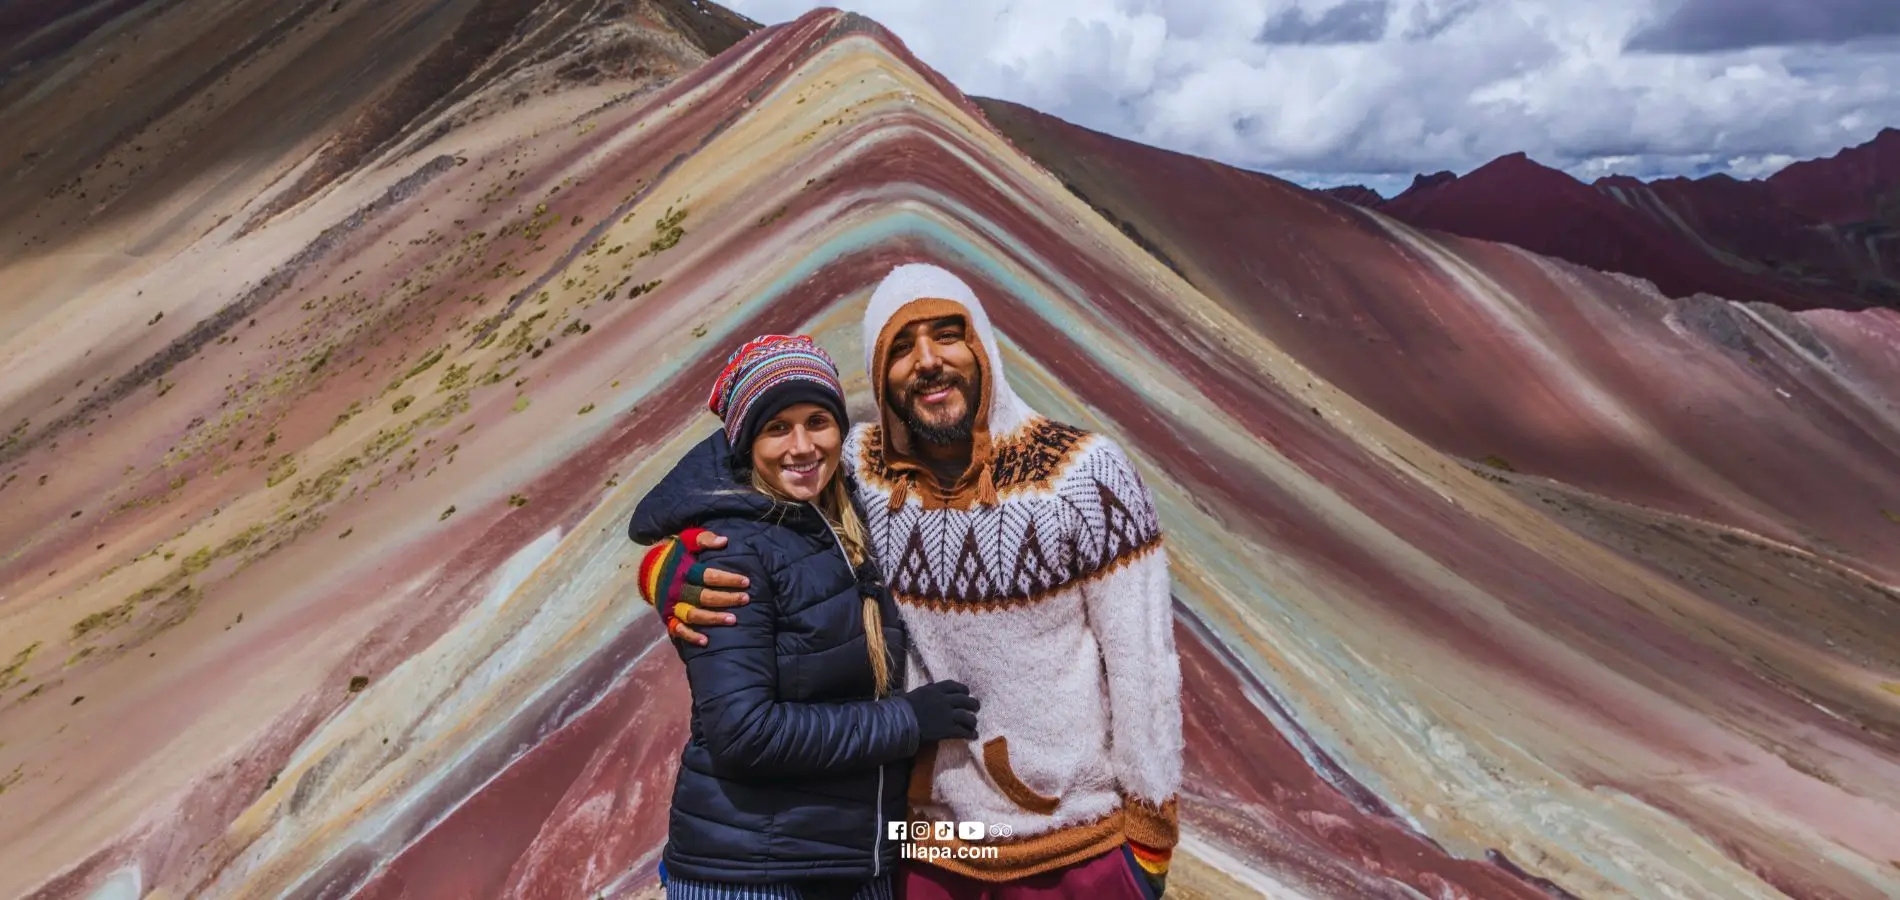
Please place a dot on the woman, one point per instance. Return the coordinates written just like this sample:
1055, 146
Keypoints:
802, 733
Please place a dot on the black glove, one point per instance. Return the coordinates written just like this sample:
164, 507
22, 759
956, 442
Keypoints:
945, 710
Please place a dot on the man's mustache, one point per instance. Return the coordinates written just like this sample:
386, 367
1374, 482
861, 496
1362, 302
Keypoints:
936, 383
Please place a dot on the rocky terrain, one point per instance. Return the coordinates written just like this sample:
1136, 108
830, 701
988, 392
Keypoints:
342, 338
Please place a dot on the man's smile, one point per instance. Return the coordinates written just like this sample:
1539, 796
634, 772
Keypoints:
938, 391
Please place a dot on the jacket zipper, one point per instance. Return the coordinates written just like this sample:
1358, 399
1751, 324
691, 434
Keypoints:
877, 845
877, 802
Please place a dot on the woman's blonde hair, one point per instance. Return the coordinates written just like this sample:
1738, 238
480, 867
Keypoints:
834, 501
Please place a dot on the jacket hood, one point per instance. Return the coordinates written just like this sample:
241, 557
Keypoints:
703, 486
916, 292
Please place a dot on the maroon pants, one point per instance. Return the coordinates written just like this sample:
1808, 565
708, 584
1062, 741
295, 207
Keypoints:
1111, 876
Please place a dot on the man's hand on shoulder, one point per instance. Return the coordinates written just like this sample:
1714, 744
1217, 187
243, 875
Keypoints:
685, 590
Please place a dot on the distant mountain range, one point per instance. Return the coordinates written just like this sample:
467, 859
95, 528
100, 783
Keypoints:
1823, 233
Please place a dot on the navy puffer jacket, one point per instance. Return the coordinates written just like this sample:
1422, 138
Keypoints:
793, 767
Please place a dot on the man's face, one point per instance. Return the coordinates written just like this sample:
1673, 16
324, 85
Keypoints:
931, 380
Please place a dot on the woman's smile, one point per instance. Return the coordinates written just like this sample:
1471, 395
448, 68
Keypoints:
804, 476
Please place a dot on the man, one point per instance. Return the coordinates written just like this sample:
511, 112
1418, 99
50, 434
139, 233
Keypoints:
1028, 564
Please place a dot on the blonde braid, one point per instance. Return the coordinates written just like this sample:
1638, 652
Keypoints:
835, 503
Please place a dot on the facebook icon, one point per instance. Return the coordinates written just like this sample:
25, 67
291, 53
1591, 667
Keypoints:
896, 831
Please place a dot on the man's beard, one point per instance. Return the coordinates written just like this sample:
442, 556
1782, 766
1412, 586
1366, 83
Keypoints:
956, 432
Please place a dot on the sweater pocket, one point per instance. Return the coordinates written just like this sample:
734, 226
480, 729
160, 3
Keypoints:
996, 762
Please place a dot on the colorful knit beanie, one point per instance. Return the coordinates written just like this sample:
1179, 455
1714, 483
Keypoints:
766, 375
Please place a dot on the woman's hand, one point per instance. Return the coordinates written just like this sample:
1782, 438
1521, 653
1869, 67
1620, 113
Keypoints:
945, 711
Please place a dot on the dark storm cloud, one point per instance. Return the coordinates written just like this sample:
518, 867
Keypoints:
1352, 22
1429, 22
1709, 26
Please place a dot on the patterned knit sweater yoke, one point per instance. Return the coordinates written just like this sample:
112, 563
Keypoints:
1042, 583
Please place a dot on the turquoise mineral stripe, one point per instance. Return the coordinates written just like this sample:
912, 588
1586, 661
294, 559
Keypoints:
947, 227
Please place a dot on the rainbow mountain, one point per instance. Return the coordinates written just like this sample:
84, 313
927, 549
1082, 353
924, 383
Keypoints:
343, 341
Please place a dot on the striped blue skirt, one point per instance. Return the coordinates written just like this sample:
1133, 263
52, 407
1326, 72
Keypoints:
680, 889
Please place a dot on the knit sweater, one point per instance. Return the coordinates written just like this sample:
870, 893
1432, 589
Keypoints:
1039, 580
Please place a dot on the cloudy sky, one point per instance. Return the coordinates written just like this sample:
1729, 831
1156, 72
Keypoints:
1373, 91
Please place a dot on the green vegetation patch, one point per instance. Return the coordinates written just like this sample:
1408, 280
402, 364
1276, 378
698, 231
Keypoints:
280, 471
356, 406
669, 232
325, 486
197, 562
455, 376
11, 676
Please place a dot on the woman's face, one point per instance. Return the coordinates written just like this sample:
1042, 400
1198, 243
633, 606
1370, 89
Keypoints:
797, 450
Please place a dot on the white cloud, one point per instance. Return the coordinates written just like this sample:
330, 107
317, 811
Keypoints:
1442, 84
1758, 166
